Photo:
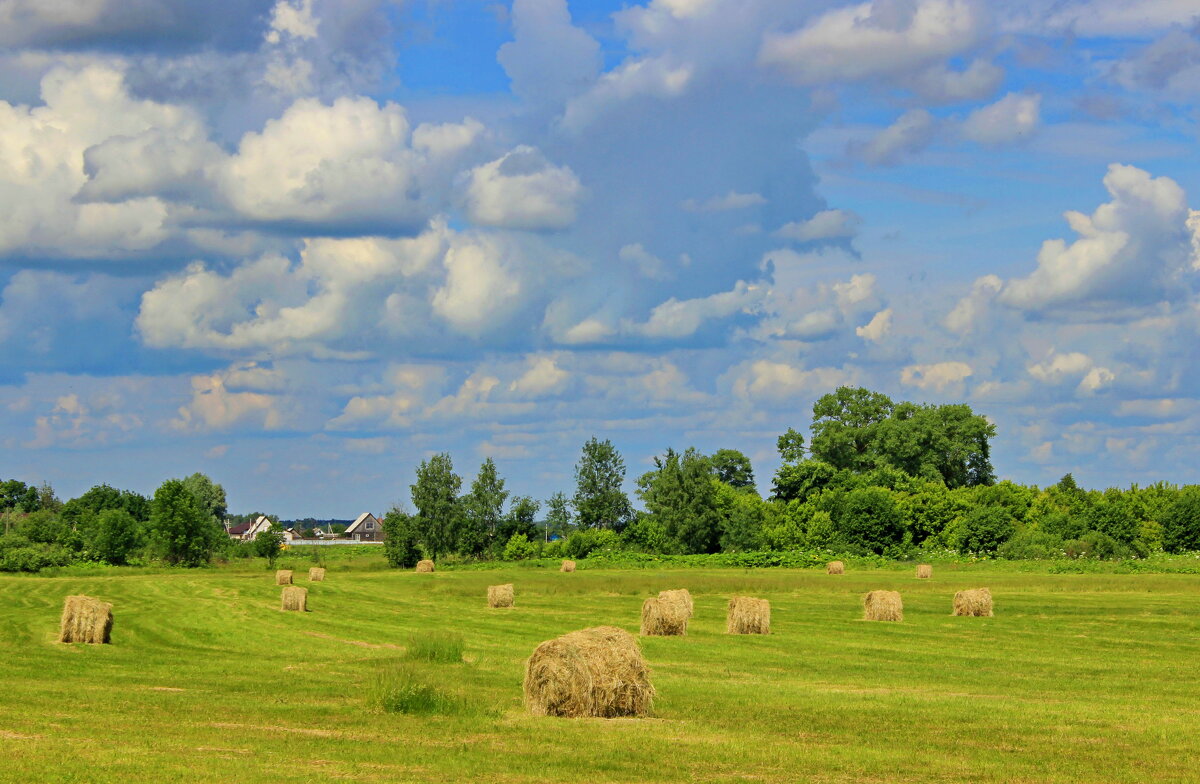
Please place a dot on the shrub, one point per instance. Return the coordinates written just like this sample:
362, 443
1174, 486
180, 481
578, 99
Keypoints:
117, 537
400, 543
18, 554
647, 535
1031, 544
434, 646
518, 548
399, 689
1181, 521
267, 544
583, 543
1095, 544
869, 518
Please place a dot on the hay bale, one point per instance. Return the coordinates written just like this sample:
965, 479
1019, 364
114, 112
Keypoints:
593, 672
283, 577
425, 565
748, 616
835, 567
567, 566
975, 602
681, 597
316, 574
883, 606
924, 571
85, 619
500, 595
664, 617
295, 598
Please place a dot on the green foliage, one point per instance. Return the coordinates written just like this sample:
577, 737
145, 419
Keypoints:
19, 554
1095, 544
483, 509
439, 512
558, 515
183, 532
599, 500
1110, 515
742, 516
209, 495
732, 468
401, 542
521, 519
790, 446
17, 496
436, 646
1180, 521
647, 534
981, 530
400, 689
268, 544
1031, 544
519, 548
680, 496
868, 517
587, 541
800, 481
117, 536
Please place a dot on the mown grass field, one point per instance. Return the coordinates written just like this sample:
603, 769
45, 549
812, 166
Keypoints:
1077, 678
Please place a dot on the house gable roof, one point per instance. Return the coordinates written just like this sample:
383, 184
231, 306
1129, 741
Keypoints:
362, 518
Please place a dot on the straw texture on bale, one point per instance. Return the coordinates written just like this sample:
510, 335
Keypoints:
679, 596
283, 577
835, 567
295, 597
425, 565
924, 572
316, 574
976, 602
500, 595
664, 617
748, 615
567, 566
883, 606
597, 672
85, 619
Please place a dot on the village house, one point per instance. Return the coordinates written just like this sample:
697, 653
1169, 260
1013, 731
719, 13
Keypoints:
367, 528
245, 532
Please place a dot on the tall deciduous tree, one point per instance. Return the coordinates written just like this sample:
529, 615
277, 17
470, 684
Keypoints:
401, 539
558, 515
599, 500
435, 496
483, 510
680, 495
733, 468
183, 531
210, 496
117, 536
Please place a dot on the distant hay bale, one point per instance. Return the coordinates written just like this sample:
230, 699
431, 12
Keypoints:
567, 566
883, 606
85, 619
425, 565
976, 602
682, 597
835, 567
748, 615
595, 672
316, 575
924, 572
283, 577
295, 597
662, 617
500, 595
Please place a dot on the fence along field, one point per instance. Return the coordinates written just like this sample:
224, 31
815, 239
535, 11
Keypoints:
206, 680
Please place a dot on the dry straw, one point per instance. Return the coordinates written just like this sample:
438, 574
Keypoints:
85, 619
883, 606
567, 566
664, 617
425, 565
593, 672
924, 572
748, 616
835, 567
283, 577
294, 598
316, 575
976, 602
500, 595
679, 596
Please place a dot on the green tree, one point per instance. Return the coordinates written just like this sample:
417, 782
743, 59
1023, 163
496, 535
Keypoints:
799, 481
483, 509
1110, 515
790, 446
742, 517
869, 518
401, 543
435, 497
209, 494
733, 468
599, 500
521, 519
558, 515
117, 536
982, 530
844, 427
18, 496
183, 531
1181, 521
679, 494
268, 544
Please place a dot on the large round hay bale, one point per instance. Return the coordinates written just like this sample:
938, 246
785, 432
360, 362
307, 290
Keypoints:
316, 574
294, 597
835, 567
283, 577
500, 595
680, 596
593, 672
748, 615
425, 565
976, 602
664, 617
85, 619
883, 606
567, 566
924, 571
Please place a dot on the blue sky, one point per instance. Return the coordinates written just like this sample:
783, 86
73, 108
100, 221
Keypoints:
300, 245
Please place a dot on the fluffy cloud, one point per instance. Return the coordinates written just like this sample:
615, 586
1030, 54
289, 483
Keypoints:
1013, 118
939, 84
912, 132
1073, 367
218, 404
549, 60
659, 78
681, 318
881, 38
764, 380
522, 190
825, 225
878, 328
940, 377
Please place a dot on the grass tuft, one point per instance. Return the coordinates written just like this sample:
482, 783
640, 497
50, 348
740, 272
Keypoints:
399, 689
434, 646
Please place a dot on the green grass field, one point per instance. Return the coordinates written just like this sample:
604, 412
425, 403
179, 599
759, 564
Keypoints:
1077, 678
